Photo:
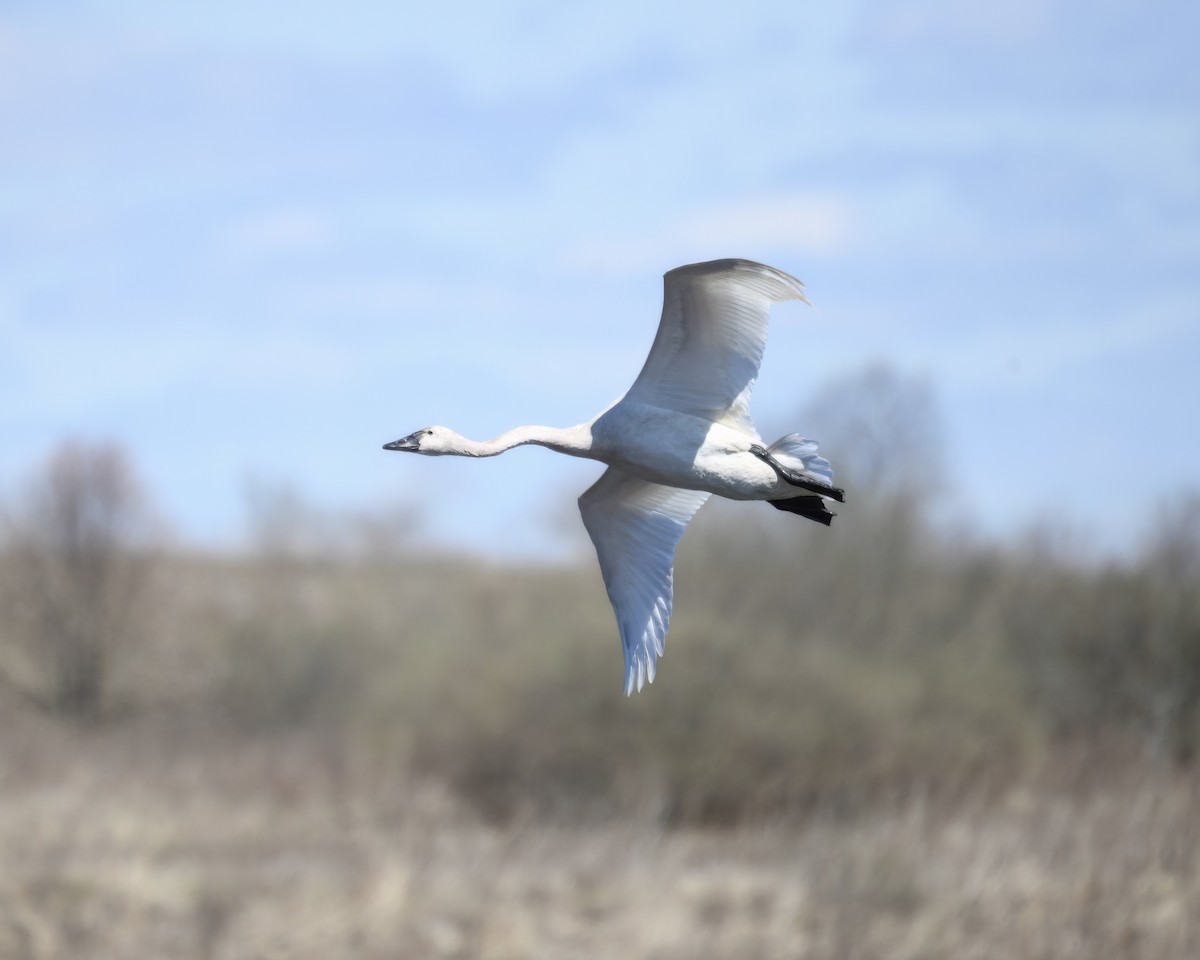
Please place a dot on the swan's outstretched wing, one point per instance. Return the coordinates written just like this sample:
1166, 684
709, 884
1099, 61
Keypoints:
711, 336
636, 526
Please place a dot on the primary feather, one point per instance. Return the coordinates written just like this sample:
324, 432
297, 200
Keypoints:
635, 526
711, 338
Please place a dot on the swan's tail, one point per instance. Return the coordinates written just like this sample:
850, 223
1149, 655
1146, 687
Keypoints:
797, 460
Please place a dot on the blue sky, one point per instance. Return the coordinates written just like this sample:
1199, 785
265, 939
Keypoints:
252, 242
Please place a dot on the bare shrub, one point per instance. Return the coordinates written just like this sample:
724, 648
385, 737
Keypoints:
305, 634
1114, 652
883, 431
78, 549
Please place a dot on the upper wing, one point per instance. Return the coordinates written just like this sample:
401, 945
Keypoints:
711, 336
635, 526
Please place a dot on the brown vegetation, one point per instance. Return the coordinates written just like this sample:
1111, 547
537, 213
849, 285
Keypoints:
873, 740
77, 559
123, 844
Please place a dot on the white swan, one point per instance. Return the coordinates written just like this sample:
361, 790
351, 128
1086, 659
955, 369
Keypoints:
681, 432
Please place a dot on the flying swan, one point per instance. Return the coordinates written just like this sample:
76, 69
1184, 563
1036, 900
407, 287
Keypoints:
682, 432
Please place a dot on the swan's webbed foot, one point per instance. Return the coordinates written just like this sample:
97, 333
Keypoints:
797, 479
811, 508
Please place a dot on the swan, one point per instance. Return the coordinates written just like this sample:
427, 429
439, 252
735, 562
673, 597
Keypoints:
681, 433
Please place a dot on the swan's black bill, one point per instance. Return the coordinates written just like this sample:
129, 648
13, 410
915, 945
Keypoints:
405, 443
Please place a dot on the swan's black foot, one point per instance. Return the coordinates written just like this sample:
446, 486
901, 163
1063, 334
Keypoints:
797, 480
812, 508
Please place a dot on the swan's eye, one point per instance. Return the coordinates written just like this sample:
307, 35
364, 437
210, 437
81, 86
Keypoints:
429, 433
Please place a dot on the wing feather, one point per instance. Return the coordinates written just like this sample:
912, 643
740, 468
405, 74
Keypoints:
635, 526
710, 340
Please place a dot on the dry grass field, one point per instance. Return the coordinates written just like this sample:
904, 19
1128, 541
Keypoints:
117, 845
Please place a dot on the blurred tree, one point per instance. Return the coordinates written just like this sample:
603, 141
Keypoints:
1172, 636
883, 432
283, 524
1115, 651
78, 550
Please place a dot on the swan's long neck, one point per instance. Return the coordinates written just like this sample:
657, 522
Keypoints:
576, 441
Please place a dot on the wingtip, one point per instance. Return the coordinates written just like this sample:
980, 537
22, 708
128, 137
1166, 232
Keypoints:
780, 285
640, 673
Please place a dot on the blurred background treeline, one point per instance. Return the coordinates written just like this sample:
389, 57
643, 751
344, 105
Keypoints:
808, 668
891, 728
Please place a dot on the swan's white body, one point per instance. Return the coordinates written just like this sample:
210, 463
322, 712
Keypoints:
682, 432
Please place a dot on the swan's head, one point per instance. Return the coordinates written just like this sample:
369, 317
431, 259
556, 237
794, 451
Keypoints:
432, 441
